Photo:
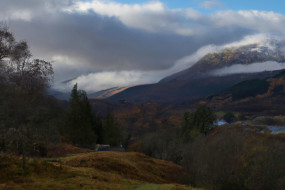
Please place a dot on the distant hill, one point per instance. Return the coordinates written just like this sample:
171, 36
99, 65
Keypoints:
180, 91
58, 94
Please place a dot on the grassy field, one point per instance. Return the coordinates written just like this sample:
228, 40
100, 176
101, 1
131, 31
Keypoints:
95, 170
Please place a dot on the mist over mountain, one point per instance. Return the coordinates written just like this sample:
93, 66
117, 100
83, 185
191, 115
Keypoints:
213, 73
268, 52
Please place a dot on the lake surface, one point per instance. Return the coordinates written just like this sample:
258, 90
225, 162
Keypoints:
219, 123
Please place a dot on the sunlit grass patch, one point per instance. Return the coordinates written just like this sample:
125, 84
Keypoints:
96, 170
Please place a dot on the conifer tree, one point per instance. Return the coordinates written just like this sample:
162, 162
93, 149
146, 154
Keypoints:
80, 119
112, 134
98, 129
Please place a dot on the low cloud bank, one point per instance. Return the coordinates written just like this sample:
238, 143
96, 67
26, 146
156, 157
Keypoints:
104, 80
250, 68
93, 82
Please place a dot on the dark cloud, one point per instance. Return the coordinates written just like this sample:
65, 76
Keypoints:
107, 44
101, 41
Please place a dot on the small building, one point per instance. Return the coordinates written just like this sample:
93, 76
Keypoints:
103, 147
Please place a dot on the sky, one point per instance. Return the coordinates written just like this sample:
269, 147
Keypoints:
102, 44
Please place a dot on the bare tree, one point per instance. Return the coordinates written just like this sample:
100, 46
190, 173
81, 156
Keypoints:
7, 42
18, 67
26, 80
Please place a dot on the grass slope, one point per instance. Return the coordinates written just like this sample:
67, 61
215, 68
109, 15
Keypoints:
96, 170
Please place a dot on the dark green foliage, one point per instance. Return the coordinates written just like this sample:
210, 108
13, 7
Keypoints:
79, 121
111, 132
249, 88
204, 119
229, 117
98, 129
188, 130
278, 88
164, 144
201, 121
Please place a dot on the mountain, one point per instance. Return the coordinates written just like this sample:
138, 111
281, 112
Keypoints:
199, 81
179, 91
265, 96
108, 92
245, 55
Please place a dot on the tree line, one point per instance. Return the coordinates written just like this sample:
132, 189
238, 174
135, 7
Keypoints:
222, 158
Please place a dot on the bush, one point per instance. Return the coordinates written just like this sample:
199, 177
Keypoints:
164, 144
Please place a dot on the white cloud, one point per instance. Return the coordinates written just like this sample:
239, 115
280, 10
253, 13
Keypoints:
103, 80
190, 60
250, 39
250, 68
152, 16
28, 9
252, 19
128, 14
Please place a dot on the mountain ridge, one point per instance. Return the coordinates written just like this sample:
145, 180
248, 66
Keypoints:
198, 81
254, 53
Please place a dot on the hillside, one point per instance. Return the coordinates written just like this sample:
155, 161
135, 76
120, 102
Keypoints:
257, 96
97, 170
108, 92
180, 91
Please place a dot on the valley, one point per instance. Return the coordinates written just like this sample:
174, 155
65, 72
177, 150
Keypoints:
215, 121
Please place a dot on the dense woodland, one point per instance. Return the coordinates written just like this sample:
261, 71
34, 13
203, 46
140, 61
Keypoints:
216, 157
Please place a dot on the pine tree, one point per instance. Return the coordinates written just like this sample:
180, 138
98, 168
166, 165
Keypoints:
80, 119
98, 129
204, 118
